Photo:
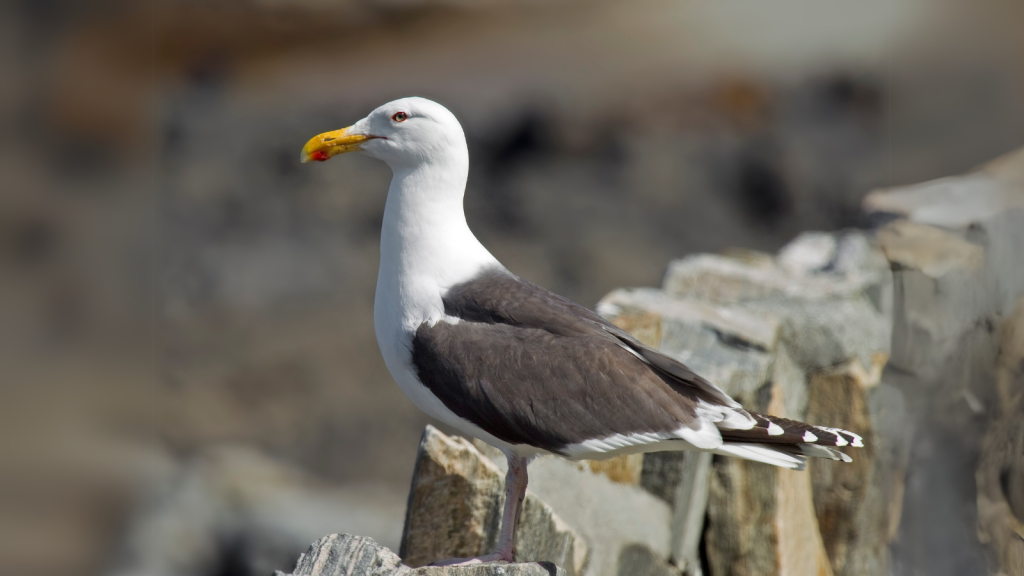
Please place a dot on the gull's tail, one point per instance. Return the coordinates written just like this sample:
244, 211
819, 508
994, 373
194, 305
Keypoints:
786, 443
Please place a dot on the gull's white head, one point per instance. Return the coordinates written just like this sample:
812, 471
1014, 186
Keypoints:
404, 133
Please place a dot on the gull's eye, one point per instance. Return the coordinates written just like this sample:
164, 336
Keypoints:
399, 117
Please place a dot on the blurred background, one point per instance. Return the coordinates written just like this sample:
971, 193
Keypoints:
186, 333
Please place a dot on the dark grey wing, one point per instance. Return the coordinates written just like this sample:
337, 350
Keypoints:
531, 386
496, 296
531, 367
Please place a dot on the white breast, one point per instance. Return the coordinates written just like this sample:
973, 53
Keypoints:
426, 248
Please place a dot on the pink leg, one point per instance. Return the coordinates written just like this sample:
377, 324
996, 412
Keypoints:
515, 491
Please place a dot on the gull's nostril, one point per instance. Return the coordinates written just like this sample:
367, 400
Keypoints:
329, 138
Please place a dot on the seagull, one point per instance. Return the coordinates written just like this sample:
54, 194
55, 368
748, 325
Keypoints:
511, 363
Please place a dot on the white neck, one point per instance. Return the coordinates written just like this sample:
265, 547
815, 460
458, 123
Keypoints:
426, 245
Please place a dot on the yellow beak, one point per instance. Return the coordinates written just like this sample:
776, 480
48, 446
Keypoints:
329, 144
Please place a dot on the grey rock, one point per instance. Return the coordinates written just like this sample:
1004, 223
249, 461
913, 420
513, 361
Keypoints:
691, 501
851, 499
235, 506
761, 519
820, 333
347, 555
960, 201
638, 560
662, 473
753, 329
608, 515
1000, 472
680, 478
769, 331
455, 505
939, 295
730, 345
958, 270
612, 514
810, 252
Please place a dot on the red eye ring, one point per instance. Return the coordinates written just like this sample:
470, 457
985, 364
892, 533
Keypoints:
399, 116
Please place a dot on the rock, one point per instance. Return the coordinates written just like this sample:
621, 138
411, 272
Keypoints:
811, 252
691, 501
938, 295
776, 334
728, 345
609, 515
346, 555
1000, 473
455, 505
959, 201
851, 499
726, 280
957, 263
638, 560
761, 519
625, 469
232, 506
662, 473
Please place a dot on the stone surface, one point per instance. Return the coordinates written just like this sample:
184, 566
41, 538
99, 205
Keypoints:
690, 506
776, 333
958, 270
455, 505
850, 499
639, 560
728, 345
959, 201
233, 506
625, 469
347, 555
761, 519
608, 515
938, 293
1000, 473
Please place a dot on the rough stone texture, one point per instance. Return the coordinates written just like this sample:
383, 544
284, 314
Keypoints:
662, 473
1000, 474
639, 560
775, 333
851, 499
959, 201
346, 555
455, 506
680, 478
958, 264
728, 345
626, 469
690, 505
761, 519
936, 281
233, 506
608, 515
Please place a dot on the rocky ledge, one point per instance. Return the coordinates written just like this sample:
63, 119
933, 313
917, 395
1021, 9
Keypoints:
347, 555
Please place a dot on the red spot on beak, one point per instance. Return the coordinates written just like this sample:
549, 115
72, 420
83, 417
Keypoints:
319, 156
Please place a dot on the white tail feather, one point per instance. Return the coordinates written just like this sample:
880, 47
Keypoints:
760, 453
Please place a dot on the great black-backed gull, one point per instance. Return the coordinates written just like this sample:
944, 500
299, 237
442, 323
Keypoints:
511, 363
